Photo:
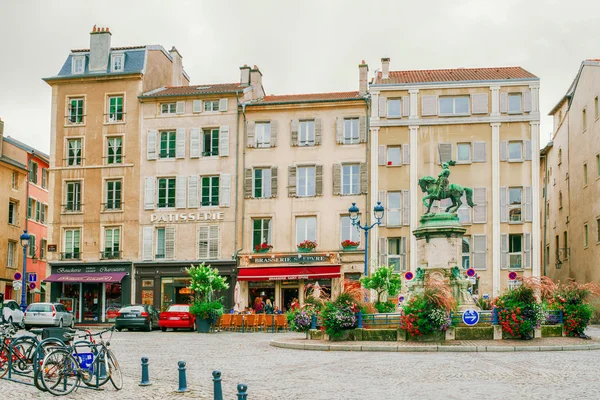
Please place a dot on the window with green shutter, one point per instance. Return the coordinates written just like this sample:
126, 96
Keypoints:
115, 150
166, 192
210, 191
31, 249
76, 111
211, 142
168, 143
29, 207
113, 195
261, 232
115, 109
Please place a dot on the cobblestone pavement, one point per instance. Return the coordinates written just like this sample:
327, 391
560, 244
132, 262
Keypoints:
273, 373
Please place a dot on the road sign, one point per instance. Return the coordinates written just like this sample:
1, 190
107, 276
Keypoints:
471, 272
409, 276
470, 317
31, 285
400, 298
473, 280
17, 276
51, 248
17, 285
32, 277
512, 275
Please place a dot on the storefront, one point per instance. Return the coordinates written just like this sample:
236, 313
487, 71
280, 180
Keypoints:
94, 292
165, 283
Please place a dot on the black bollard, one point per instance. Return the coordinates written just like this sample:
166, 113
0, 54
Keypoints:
145, 376
242, 388
182, 381
218, 392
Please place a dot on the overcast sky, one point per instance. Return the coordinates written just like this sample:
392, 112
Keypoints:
301, 47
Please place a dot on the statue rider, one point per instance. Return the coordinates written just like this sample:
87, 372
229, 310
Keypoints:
443, 181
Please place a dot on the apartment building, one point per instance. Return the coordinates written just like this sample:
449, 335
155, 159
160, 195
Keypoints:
570, 176
94, 172
485, 119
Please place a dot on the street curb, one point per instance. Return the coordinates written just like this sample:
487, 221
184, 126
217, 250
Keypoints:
432, 348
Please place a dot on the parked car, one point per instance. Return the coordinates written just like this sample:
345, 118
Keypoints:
137, 316
48, 314
177, 316
12, 312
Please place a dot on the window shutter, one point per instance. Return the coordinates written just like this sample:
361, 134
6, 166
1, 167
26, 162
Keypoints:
429, 105
170, 242
406, 207
248, 183
503, 205
224, 141
504, 251
527, 101
479, 251
362, 129
406, 154
147, 243
503, 150
405, 106
180, 143
194, 143
479, 152
382, 154
223, 104
337, 179
339, 130
403, 253
503, 102
383, 251
197, 106
180, 107
382, 199
465, 206
180, 186
527, 250
202, 242
480, 209
192, 192
479, 103
225, 190
149, 193
291, 182
319, 180
251, 130
364, 178
318, 133
273, 181
274, 131
528, 203
151, 145
295, 125
382, 106
527, 150
444, 152
213, 242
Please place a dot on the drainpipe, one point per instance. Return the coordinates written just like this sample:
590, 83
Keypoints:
545, 211
237, 175
367, 99
245, 144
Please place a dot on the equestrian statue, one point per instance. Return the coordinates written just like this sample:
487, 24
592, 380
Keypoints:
440, 189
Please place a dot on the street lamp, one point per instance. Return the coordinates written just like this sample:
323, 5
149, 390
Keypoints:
24, 243
378, 212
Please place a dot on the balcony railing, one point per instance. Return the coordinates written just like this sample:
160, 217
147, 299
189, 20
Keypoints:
72, 207
111, 255
72, 255
112, 205
115, 117
75, 120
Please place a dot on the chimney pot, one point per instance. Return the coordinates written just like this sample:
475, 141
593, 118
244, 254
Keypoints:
94, 30
385, 68
363, 76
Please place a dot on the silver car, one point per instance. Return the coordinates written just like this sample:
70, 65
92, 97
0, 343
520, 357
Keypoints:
48, 314
12, 313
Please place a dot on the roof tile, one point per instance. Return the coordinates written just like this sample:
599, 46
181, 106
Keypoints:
195, 89
310, 97
455, 75
112, 49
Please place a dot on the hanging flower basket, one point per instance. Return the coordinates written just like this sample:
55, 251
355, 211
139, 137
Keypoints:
262, 248
307, 246
349, 245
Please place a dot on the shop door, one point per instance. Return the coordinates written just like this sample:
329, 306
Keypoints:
92, 302
183, 295
287, 296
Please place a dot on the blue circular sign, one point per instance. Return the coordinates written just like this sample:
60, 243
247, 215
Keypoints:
17, 276
408, 276
470, 317
400, 298
470, 272
512, 275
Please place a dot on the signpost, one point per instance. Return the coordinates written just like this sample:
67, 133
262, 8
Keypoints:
400, 298
470, 317
512, 275
32, 277
471, 272
17, 276
31, 285
52, 248
17, 285
409, 276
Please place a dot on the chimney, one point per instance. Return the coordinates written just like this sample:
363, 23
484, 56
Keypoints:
245, 75
177, 67
385, 68
99, 49
256, 83
363, 78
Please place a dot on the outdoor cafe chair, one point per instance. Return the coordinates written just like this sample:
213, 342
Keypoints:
238, 322
269, 322
281, 322
225, 322
261, 320
251, 321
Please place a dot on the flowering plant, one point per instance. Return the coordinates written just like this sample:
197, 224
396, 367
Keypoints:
350, 243
519, 312
263, 247
308, 245
428, 312
300, 320
572, 299
340, 315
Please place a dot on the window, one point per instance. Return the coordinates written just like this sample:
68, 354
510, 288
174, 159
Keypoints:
350, 179
208, 242
397, 253
168, 108
515, 151
115, 108
451, 105
560, 201
73, 152
393, 108
37, 210
30, 208
585, 174
261, 231
349, 231
394, 155
306, 181
211, 142
78, 65
584, 119
166, 192
12, 212
211, 105
514, 103
306, 132
43, 244
463, 153
557, 246
15, 180
566, 244
210, 191
111, 243
73, 196
33, 172
596, 108
466, 252
585, 235
351, 135
515, 251
306, 229
160, 243
394, 208
31, 249
76, 111
597, 164
44, 209
117, 62
44, 178
263, 134
11, 253
262, 183
515, 196
114, 150
72, 237
597, 230
113, 195
168, 142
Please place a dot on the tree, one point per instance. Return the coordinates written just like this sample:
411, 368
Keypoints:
384, 279
205, 281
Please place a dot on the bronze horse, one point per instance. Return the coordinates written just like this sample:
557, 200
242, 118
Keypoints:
453, 191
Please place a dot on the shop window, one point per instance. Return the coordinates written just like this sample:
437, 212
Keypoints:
114, 302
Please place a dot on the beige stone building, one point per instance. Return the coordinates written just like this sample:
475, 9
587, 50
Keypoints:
487, 120
570, 176
94, 174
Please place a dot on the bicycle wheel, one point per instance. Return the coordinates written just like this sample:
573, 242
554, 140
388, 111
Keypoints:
100, 364
116, 376
44, 349
60, 373
3, 361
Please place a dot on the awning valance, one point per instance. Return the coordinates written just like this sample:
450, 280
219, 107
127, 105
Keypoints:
91, 277
285, 273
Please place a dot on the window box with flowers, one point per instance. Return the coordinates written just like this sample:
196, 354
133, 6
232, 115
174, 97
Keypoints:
307, 246
349, 245
262, 248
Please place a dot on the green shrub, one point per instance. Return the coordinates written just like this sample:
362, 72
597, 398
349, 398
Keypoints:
519, 312
385, 307
211, 310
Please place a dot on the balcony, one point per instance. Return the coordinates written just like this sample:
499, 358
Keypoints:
111, 255
70, 255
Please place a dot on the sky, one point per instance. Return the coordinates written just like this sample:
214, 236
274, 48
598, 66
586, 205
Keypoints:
300, 47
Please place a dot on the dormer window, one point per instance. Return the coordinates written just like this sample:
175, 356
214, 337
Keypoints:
78, 65
117, 62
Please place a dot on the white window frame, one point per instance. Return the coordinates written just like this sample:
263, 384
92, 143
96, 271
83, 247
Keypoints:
77, 195
347, 230
263, 134
303, 226
112, 117
454, 112
211, 105
15, 180
168, 108
269, 231
117, 59
166, 204
112, 229
351, 130
211, 132
520, 97
519, 254
72, 243
115, 149
350, 179
310, 181
170, 152
77, 65
470, 147
74, 113
401, 257
77, 158
306, 132
163, 256
211, 189
392, 210
515, 142
11, 252
113, 193
466, 254
13, 208
515, 206
391, 102
394, 149
265, 188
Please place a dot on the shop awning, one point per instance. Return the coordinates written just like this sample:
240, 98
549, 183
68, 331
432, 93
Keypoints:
91, 277
285, 273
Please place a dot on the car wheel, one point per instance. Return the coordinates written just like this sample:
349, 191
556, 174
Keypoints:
174, 329
119, 329
72, 323
194, 327
162, 328
60, 323
149, 327
27, 327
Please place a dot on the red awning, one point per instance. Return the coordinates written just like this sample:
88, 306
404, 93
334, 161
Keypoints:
90, 277
285, 273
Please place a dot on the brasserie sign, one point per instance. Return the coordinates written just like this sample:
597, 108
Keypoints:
300, 259
187, 217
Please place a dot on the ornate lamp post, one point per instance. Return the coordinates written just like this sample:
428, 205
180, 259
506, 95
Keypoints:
24, 243
378, 211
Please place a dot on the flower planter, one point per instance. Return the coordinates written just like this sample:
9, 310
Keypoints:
349, 248
203, 325
304, 250
430, 337
260, 251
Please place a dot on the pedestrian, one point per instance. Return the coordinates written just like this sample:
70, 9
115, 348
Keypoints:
258, 305
269, 307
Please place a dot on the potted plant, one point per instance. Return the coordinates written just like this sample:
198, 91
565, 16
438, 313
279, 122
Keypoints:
307, 246
350, 245
383, 280
262, 248
205, 281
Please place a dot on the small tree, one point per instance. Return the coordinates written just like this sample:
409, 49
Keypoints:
384, 279
205, 281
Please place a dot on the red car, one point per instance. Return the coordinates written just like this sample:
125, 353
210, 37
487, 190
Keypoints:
177, 316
